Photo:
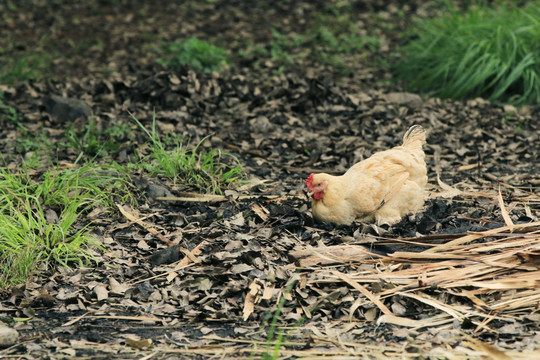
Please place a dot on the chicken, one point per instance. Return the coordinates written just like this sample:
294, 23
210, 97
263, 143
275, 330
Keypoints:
385, 187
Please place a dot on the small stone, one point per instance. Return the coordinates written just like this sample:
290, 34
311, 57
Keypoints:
509, 109
404, 98
66, 109
154, 191
166, 256
8, 336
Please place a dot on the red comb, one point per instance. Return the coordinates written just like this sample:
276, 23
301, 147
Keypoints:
309, 181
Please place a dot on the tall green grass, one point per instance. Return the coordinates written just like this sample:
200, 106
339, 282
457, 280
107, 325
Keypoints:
40, 218
491, 52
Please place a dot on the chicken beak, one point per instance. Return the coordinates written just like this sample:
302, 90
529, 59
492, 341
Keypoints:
310, 193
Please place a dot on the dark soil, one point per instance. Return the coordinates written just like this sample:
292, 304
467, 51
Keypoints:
282, 124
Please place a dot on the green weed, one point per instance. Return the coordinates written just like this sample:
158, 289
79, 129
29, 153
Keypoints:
9, 113
207, 170
31, 237
28, 236
118, 131
29, 142
98, 185
276, 335
35, 149
93, 141
29, 66
199, 54
25, 141
491, 52
330, 40
513, 119
87, 141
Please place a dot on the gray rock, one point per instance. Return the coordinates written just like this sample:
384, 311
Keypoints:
153, 191
8, 336
67, 109
404, 98
166, 256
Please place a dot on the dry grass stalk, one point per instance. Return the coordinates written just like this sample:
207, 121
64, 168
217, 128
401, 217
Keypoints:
476, 266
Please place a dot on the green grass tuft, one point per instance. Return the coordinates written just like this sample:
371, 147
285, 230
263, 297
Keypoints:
28, 237
31, 66
9, 114
93, 141
206, 170
194, 52
484, 52
40, 218
277, 335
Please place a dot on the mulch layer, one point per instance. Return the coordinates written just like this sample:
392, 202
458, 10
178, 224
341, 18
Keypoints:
190, 275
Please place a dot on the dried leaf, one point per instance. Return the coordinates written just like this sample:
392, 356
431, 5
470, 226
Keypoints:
240, 268
504, 212
448, 191
101, 292
249, 302
261, 211
491, 351
118, 288
138, 344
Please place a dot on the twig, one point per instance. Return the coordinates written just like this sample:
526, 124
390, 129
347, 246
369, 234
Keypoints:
193, 197
148, 228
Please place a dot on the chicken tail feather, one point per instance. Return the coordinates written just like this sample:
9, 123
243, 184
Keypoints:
414, 134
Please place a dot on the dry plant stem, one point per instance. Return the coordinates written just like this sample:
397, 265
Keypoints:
194, 197
460, 267
469, 238
148, 228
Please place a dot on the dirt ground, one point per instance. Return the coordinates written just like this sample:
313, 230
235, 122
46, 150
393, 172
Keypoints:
460, 280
